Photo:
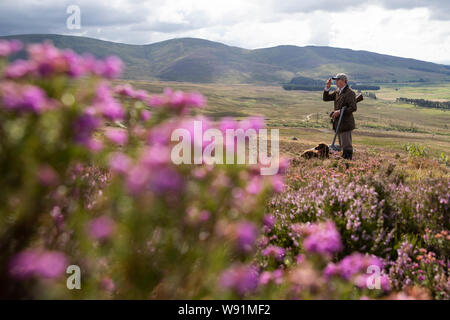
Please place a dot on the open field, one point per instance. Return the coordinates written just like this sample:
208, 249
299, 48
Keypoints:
381, 123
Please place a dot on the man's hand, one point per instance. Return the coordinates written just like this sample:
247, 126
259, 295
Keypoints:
328, 84
336, 114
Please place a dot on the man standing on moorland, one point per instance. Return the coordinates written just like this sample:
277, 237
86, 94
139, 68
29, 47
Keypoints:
343, 96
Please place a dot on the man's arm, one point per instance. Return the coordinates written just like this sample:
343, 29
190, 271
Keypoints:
326, 92
327, 96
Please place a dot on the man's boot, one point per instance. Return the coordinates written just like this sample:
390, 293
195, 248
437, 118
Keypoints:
347, 154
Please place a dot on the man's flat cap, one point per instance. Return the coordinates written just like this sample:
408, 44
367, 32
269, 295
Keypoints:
342, 76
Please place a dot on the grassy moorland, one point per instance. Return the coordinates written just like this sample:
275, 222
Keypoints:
382, 124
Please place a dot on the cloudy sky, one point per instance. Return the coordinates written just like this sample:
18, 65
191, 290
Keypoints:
408, 28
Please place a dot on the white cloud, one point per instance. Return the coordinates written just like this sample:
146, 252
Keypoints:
409, 28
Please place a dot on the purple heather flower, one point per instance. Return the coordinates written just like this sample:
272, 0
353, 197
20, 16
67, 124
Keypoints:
137, 178
19, 68
156, 155
125, 90
118, 136
240, 278
323, 239
75, 67
85, 125
180, 100
9, 47
119, 163
107, 105
165, 179
352, 265
269, 221
24, 98
227, 123
265, 277
195, 99
273, 251
255, 123
254, 186
38, 262
108, 284
146, 115
246, 235
47, 176
277, 183
101, 228
155, 101
110, 68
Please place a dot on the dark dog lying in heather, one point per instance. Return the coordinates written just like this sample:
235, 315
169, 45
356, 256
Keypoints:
322, 151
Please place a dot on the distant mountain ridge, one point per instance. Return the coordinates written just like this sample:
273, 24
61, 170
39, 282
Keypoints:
199, 60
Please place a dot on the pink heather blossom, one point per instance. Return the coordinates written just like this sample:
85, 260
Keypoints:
179, 100
101, 228
93, 144
275, 276
38, 262
156, 155
255, 123
85, 125
246, 234
254, 186
125, 90
47, 176
146, 115
119, 163
49, 59
26, 98
105, 103
274, 251
137, 179
277, 183
240, 278
195, 99
110, 68
118, 136
352, 265
323, 238
165, 179
269, 221
155, 101
107, 284
141, 95
204, 215
75, 66
228, 123
19, 69
8, 47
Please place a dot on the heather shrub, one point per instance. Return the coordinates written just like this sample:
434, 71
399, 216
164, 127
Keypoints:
87, 180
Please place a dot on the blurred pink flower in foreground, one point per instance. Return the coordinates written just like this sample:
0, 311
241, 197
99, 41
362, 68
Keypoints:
240, 278
101, 228
9, 47
38, 262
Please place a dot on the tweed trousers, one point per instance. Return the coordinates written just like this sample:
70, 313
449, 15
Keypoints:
345, 140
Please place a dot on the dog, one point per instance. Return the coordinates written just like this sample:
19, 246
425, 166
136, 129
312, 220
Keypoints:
322, 151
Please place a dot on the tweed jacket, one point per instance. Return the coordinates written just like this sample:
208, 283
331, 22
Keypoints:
346, 98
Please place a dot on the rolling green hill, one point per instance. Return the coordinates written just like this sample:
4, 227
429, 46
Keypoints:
204, 61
